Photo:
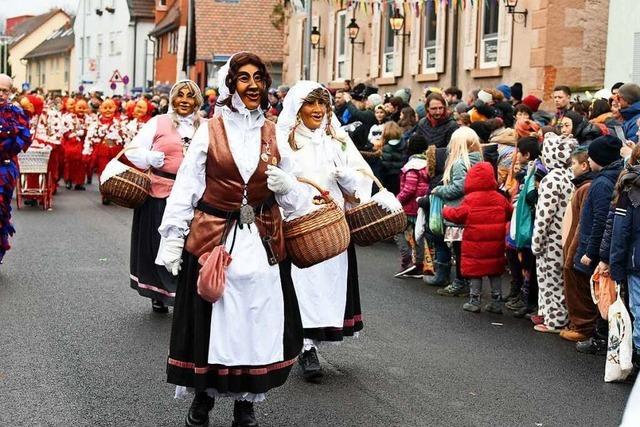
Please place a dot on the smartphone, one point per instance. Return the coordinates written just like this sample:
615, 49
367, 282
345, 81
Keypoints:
620, 134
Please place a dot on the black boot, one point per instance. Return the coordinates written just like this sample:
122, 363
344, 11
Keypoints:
198, 415
243, 414
79, 187
310, 364
158, 306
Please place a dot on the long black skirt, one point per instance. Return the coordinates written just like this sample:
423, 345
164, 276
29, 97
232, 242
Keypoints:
150, 280
188, 365
352, 311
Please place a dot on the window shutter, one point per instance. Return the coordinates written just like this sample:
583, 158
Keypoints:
414, 44
331, 43
398, 57
505, 34
635, 73
470, 33
441, 37
374, 68
297, 52
348, 47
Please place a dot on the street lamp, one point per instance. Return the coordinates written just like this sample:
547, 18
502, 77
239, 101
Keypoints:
353, 28
511, 8
396, 22
315, 39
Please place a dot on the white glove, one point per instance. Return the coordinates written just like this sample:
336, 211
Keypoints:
170, 254
279, 181
346, 177
80, 133
155, 159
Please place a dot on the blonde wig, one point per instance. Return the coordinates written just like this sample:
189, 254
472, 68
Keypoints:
197, 95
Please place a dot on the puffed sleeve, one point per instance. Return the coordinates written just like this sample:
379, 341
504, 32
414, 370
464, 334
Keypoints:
297, 201
188, 188
141, 144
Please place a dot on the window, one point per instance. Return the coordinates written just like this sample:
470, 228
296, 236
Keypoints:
341, 45
162, 4
389, 43
87, 46
429, 54
99, 46
87, 6
173, 42
114, 45
159, 47
66, 70
489, 42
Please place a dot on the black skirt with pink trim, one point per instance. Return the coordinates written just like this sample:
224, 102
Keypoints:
188, 365
352, 311
150, 280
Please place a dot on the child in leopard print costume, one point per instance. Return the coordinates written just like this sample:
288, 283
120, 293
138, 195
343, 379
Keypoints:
553, 198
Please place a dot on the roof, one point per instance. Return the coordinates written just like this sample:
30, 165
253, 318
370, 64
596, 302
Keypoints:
225, 28
170, 22
60, 41
142, 9
31, 24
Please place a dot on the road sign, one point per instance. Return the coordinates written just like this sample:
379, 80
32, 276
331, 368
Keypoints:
116, 77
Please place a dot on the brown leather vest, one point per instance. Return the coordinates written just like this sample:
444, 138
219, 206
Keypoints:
224, 191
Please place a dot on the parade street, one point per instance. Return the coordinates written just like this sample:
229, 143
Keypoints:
80, 348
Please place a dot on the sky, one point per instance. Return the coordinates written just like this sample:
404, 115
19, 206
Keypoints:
10, 8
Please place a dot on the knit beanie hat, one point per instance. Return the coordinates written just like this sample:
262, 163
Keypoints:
375, 100
605, 150
505, 89
461, 107
516, 91
405, 94
421, 111
532, 102
485, 97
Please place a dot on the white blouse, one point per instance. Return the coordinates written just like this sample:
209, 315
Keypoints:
244, 137
141, 143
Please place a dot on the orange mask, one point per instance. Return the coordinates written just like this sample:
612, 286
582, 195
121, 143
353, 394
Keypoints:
82, 107
71, 105
108, 108
27, 105
140, 110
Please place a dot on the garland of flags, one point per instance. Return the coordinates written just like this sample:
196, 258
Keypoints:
407, 5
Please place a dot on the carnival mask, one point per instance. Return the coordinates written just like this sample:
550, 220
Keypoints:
250, 86
312, 114
82, 107
140, 110
108, 108
70, 105
27, 105
184, 102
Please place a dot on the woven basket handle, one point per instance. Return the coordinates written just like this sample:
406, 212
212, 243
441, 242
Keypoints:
124, 150
373, 177
323, 193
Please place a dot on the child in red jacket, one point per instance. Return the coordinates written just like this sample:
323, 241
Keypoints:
414, 183
484, 212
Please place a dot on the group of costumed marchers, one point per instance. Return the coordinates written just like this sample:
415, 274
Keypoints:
222, 190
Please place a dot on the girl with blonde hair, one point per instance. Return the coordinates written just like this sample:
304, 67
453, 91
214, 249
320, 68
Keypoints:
464, 152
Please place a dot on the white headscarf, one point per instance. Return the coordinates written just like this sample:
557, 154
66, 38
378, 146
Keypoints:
291, 105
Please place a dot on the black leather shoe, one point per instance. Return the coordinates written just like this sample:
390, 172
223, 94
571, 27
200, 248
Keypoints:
311, 369
68, 185
198, 415
592, 346
79, 187
158, 306
243, 414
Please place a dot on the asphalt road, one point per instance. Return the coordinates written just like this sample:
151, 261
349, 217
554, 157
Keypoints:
78, 347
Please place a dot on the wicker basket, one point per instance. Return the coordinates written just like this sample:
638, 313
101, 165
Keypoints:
34, 160
319, 235
370, 223
128, 189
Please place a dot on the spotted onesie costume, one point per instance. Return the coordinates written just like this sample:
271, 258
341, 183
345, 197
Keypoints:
553, 198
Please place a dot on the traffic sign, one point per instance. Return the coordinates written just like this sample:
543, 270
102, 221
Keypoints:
116, 77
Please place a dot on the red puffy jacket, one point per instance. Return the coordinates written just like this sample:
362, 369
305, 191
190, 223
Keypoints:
414, 182
484, 213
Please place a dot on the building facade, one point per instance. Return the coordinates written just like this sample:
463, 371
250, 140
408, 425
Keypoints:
29, 34
224, 27
623, 43
49, 65
478, 45
111, 39
169, 34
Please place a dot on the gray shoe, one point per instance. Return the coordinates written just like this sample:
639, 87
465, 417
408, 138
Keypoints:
459, 288
493, 307
515, 305
472, 307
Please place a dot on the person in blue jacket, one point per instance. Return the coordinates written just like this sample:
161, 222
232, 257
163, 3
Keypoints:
604, 159
624, 256
629, 100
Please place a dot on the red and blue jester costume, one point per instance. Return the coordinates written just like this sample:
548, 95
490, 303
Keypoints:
14, 138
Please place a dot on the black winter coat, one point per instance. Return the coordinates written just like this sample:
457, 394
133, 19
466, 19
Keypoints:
440, 135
